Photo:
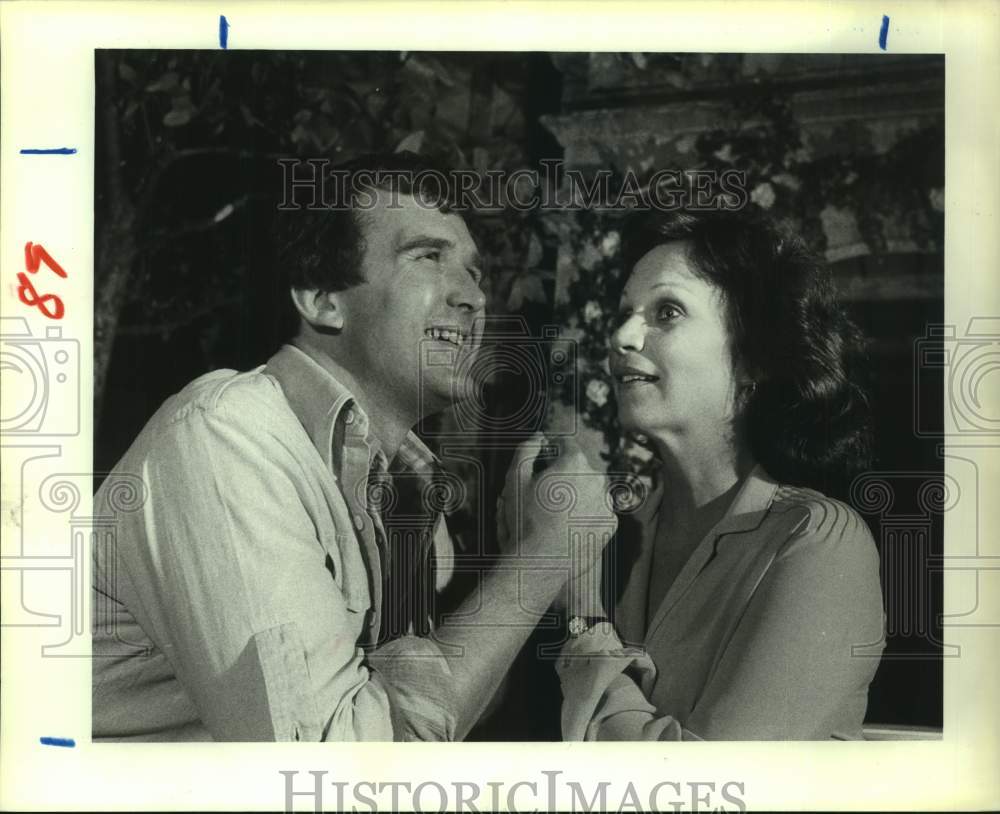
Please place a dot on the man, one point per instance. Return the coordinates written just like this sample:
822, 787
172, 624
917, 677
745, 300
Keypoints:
246, 599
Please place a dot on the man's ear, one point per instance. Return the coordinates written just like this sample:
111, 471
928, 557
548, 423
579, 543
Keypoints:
321, 309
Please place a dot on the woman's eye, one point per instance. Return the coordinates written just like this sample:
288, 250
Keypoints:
669, 311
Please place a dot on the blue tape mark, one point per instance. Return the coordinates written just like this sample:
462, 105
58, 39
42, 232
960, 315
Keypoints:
223, 31
69, 742
883, 34
55, 151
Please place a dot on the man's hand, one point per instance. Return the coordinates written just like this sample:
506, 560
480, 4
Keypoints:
562, 515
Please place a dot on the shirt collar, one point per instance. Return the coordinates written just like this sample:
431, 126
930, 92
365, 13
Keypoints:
323, 406
745, 513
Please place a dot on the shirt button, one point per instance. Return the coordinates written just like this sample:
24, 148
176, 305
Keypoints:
359, 524
349, 417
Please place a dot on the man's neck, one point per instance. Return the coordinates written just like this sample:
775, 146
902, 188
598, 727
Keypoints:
387, 422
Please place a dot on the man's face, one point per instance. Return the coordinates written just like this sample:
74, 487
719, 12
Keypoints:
408, 329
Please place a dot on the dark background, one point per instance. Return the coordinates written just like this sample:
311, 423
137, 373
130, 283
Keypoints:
848, 147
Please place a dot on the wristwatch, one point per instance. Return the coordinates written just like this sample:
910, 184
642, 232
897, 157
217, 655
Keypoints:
576, 626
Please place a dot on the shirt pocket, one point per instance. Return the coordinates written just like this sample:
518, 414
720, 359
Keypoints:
343, 553
344, 561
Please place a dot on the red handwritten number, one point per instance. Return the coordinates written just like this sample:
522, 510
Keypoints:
34, 256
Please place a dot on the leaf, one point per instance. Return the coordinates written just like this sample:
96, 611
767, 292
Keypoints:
431, 69
177, 118
526, 287
167, 82
182, 103
534, 252
126, 72
412, 142
223, 213
250, 119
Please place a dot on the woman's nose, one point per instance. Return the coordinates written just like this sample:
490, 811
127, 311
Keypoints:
628, 336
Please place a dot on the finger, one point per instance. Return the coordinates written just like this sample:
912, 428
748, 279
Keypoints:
501, 518
568, 448
524, 456
531, 446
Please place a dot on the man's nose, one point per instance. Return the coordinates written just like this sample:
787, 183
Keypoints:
628, 336
466, 293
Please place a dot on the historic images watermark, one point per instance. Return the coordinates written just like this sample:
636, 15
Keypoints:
546, 792
311, 184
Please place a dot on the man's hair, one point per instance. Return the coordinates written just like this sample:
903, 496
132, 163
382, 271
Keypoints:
322, 247
808, 421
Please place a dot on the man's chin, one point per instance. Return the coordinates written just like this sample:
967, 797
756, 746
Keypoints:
439, 395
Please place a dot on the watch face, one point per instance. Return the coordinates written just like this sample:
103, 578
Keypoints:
577, 625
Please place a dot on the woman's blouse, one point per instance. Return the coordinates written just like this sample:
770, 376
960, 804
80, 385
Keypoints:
773, 629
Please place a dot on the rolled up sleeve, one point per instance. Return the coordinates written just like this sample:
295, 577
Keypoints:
418, 681
604, 687
252, 604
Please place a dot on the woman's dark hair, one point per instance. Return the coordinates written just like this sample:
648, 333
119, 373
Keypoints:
807, 421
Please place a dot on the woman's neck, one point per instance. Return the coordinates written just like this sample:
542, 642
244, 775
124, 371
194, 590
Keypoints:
700, 481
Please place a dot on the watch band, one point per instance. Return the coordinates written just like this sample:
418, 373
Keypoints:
578, 625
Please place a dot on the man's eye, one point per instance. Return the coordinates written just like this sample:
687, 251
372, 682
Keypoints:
433, 256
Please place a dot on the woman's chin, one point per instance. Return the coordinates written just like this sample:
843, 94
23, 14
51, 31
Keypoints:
632, 422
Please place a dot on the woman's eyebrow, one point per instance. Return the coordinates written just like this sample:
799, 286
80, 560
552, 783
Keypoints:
677, 284
655, 287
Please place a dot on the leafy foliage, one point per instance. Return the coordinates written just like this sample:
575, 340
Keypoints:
817, 181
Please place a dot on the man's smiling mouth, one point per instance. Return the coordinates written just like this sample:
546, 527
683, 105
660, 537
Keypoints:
451, 335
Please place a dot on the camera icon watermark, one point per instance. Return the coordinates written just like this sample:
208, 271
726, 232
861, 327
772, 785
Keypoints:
968, 367
41, 381
504, 383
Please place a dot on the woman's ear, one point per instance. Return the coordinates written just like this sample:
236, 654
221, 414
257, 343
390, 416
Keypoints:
321, 309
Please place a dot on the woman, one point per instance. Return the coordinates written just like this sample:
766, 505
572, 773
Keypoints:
752, 607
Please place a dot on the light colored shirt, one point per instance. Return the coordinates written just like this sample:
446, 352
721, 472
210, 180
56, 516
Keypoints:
241, 601
767, 632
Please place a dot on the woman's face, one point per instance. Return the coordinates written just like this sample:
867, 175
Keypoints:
670, 356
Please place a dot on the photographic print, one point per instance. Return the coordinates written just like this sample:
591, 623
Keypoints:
572, 393
548, 156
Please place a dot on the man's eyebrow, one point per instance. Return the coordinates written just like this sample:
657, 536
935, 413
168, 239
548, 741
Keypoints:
429, 242
425, 242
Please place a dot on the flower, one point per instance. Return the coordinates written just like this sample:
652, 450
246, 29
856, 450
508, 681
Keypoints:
589, 257
597, 392
685, 143
802, 155
763, 195
936, 196
609, 245
726, 153
786, 179
592, 311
